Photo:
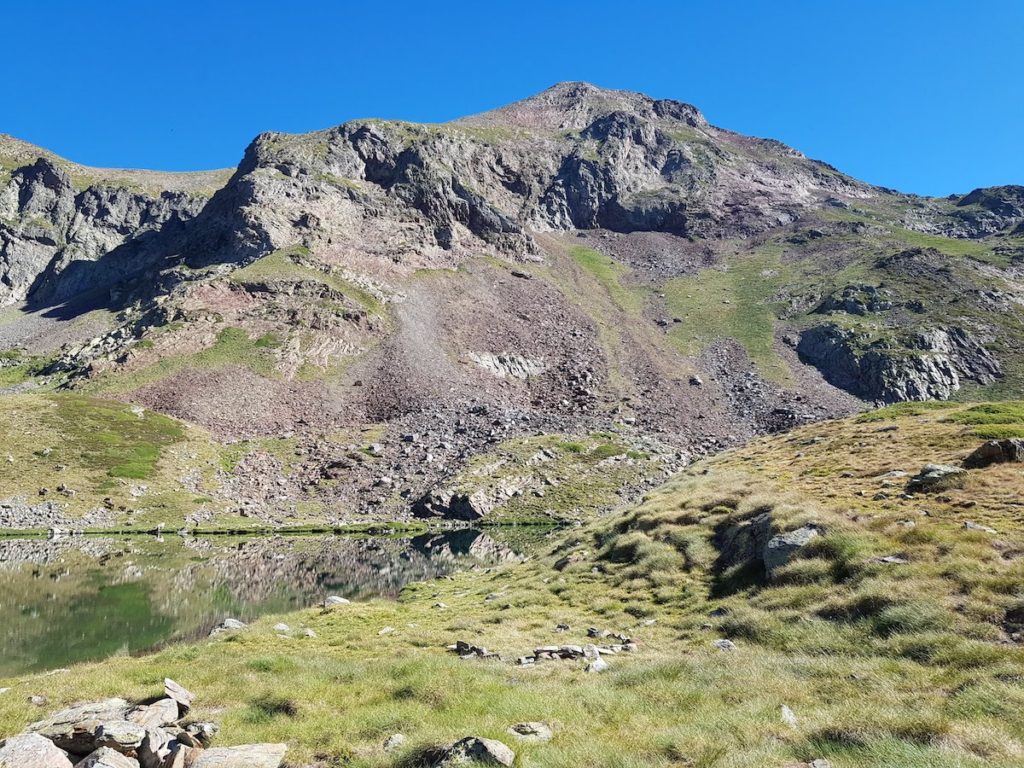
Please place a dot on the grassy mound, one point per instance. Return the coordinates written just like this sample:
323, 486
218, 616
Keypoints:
86, 453
889, 642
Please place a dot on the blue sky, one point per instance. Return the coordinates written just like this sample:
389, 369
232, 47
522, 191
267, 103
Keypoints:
922, 95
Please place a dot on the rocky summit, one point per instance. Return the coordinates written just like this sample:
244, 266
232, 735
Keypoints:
469, 320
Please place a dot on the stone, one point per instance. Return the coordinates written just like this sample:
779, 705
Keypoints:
182, 696
1010, 450
307, 632
788, 717
120, 735
74, 729
596, 666
386, 630
781, 548
155, 715
282, 628
227, 625
394, 741
532, 731
204, 733
334, 600
932, 476
30, 750
156, 748
971, 526
724, 645
473, 749
244, 756
104, 757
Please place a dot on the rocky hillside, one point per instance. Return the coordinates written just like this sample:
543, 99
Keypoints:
384, 317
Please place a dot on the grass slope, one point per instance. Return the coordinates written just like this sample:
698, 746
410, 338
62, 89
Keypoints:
882, 663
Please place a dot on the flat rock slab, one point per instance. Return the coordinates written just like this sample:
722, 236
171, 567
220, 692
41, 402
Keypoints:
155, 715
183, 696
31, 750
73, 729
104, 757
245, 756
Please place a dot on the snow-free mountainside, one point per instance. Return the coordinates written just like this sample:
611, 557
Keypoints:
590, 309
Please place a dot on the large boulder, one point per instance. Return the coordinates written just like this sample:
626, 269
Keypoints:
934, 477
781, 548
74, 729
996, 452
925, 365
31, 750
473, 749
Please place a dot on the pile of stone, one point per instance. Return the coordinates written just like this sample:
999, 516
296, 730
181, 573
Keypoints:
117, 734
468, 650
590, 652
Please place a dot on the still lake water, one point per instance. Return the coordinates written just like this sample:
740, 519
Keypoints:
75, 599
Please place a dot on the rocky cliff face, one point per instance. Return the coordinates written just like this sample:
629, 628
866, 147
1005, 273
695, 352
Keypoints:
56, 224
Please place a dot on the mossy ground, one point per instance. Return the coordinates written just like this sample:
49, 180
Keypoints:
99, 449
883, 664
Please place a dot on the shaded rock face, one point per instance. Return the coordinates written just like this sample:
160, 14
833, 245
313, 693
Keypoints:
1010, 450
452, 505
52, 234
987, 211
752, 541
931, 365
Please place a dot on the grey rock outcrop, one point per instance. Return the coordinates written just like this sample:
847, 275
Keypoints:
1010, 450
57, 239
473, 749
933, 476
780, 548
930, 365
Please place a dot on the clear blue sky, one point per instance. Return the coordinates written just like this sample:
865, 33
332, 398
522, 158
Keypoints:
922, 95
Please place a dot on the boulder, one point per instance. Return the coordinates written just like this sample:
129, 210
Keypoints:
74, 729
182, 696
244, 756
31, 750
334, 600
473, 749
780, 548
394, 741
104, 757
933, 476
1010, 450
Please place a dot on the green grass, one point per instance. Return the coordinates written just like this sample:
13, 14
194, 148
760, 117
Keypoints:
881, 664
282, 265
904, 409
109, 437
232, 347
993, 421
609, 274
736, 302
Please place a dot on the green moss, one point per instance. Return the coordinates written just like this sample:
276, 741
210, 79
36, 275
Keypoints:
735, 301
609, 274
111, 437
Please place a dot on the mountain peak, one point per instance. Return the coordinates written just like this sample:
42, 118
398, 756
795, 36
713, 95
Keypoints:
573, 105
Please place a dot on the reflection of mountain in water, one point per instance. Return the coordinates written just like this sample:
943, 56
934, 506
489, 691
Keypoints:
78, 598
256, 569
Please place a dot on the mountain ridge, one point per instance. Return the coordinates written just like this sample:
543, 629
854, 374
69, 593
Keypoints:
582, 262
